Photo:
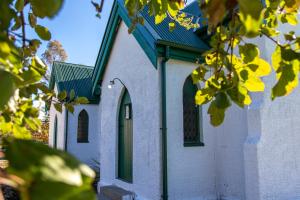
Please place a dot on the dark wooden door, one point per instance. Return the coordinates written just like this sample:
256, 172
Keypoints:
125, 139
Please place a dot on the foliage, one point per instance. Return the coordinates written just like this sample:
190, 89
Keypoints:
40, 170
233, 67
43, 135
54, 52
21, 72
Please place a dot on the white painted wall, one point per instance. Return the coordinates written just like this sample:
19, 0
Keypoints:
210, 172
60, 126
272, 162
85, 152
129, 63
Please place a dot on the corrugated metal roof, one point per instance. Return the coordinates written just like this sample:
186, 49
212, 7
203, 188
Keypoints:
180, 36
193, 9
70, 76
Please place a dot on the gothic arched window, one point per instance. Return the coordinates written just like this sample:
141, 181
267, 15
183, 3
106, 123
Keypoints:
191, 115
83, 127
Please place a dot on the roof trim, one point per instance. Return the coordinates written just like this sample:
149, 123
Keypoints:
147, 38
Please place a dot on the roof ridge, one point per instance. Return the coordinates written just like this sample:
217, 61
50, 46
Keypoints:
74, 64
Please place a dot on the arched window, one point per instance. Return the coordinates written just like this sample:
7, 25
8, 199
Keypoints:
83, 127
191, 115
55, 132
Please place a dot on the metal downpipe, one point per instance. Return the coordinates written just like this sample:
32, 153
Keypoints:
164, 126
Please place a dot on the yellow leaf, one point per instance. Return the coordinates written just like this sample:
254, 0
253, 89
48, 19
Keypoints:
254, 84
160, 18
173, 8
276, 58
251, 82
203, 96
260, 67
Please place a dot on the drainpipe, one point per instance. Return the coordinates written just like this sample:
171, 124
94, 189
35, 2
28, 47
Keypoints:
164, 125
66, 129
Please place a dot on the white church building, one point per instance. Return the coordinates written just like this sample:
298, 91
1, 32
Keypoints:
150, 139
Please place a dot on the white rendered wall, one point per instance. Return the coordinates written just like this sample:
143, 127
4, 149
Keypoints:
272, 149
129, 63
60, 126
207, 172
85, 152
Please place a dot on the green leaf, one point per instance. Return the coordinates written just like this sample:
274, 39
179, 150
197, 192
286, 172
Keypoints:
17, 24
48, 173
38, 64
132, 6
4, 49
248, 52
19, 5
251, 16
58, 107
32, 20
30, 76
222, 101
199, 74
46, 8
62, 95
7, 87
7, 14
217, 115
239, 95
72, 94
288, 79
43, 32
81, 100
70, 108
45, 89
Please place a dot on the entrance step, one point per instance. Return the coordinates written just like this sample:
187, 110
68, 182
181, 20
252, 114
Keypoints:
113, 192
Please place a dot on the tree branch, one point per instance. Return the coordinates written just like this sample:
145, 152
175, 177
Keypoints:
23, 29
272, 39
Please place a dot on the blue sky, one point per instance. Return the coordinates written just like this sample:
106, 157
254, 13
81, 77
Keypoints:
78, 29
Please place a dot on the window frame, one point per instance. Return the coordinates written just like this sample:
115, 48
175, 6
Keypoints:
199, 140
83, 137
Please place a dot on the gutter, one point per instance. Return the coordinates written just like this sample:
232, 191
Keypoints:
164, 125
66, 129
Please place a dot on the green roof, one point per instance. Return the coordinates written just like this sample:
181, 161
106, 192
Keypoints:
180, 36
68, 76
156, 40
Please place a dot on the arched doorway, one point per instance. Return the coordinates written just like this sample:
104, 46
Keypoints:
125, 139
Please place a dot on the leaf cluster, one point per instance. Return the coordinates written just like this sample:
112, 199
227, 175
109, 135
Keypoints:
233, 68
44, 173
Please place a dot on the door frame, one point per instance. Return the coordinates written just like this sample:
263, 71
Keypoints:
122, 105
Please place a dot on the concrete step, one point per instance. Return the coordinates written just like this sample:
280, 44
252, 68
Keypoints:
113, 192
102, 197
